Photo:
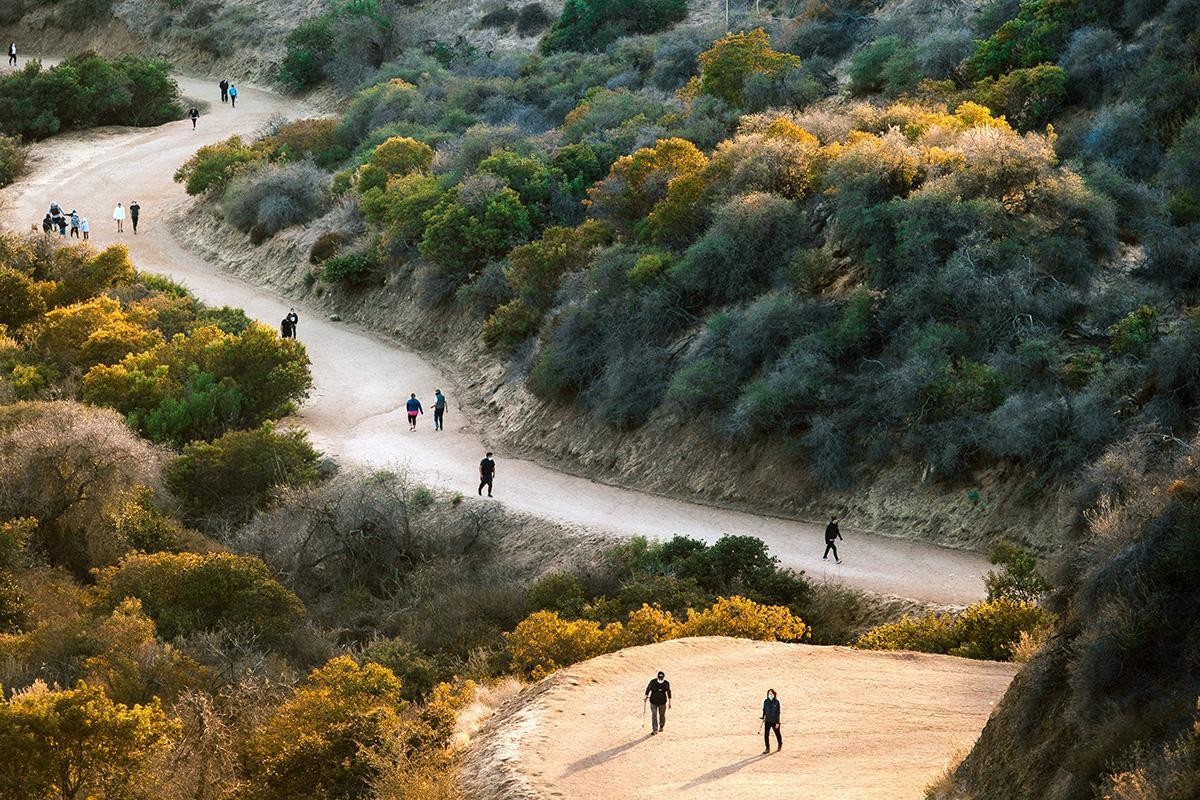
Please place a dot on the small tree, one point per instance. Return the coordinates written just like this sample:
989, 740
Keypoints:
402, 155
729, 63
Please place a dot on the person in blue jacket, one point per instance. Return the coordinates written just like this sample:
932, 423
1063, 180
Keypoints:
770, 717
414, 408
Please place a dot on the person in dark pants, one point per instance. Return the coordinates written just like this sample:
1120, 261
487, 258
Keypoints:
832, 534
194, 115
292, 319
770, 718
285, 328
414, 408
487, 471
439, 409
12, 54
233, 93
134, 210
224, 84
658, 692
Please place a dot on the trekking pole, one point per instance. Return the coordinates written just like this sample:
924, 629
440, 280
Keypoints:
643, 712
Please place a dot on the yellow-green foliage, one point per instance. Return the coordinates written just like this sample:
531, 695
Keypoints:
75, 743
987, 631
402, 155
544, 641
725, 67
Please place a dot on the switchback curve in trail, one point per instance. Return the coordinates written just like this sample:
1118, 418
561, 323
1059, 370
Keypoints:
356, 410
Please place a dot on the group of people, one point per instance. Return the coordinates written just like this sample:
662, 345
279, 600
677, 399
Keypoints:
658, 696
229, 93
287, 327
415, 409
58, 220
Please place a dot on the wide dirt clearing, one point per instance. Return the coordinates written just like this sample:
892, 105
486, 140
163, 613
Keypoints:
855, 725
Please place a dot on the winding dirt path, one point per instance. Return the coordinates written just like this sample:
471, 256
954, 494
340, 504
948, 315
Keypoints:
356, 411
856, 725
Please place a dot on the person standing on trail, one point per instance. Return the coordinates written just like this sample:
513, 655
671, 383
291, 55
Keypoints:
658, 693
770, 718
74, 224
487, 473
12, 54
194, 115
62, 225
832, 534
233, 95
134, 211
439, 409
119, 216
414, 408
83, 226
224, 85
292, 320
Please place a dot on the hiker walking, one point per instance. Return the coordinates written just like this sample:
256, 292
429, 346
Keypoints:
224, 85
119, 216
194, 115
47, 222
83, 226
658, 694
292, 319
414, 408
74, 224
134, 210
770, 718
487, 472
832, 534
12, 54
439, 409
233, 95
62, 225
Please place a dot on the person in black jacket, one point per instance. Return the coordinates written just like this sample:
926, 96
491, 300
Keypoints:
832, 534
487, 473
770, 718
658, 692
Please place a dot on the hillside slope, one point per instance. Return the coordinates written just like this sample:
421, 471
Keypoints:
856, 725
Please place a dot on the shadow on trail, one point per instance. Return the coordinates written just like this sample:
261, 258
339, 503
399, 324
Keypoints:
722, 772
604, 755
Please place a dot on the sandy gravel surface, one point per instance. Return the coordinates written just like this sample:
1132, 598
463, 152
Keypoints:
856, 725
356, 410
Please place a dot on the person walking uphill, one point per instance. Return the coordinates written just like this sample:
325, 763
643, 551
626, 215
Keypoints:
134, 211
233, 93
832, 534
224, 86
487, 472
194, 115
119, 216
770, 718
414, 408
658, 693
439, 409
74, 223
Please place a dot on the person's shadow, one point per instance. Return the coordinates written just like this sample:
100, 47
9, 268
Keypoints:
721, 772
604, 755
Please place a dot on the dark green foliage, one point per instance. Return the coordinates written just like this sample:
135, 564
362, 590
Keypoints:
502, 18
85, 91
346, 268
885, 65
595, 24
417, 671
532, 19
308, 47
557, 591
225, 481
1037, 35
1028, 97
1018, 577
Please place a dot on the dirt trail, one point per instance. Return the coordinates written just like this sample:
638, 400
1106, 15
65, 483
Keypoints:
356, 410
856, 725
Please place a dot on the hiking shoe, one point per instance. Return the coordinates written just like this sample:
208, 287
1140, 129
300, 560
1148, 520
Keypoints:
768, 750
839, 561
654, 733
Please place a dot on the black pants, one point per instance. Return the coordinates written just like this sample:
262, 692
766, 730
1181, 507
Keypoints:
12, 60
485, 480
224, 96
233, 100
133, 218
767, 728
438, 414
831, 546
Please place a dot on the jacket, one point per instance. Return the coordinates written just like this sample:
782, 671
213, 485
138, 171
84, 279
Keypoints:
659, 693
832, 532
414, 405
771, 711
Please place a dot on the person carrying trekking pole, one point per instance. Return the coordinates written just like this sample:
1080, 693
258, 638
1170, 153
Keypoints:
832, 534
439, 409
487, 472
414, 408
658, 693
770, 718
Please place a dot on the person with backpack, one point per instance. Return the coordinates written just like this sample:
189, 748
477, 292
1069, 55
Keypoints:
832, 534
224, 86
194, 115
74, 224
770, 718
414, 408
233, 93
658, 694
439, 409
12, 54
134, 210
119, 216
487, 473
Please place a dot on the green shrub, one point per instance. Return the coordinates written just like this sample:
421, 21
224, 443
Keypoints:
309, 46
560, 592
463, 233
727, 67
402, 155
273, 197
884, 65
225, 481
186, 593
595, 24
1018, 577
1037, 35
417, 672
214, 166
500, 18
12, 159
988, 630
532, 19
347, 268
1029, 97
1133, 334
